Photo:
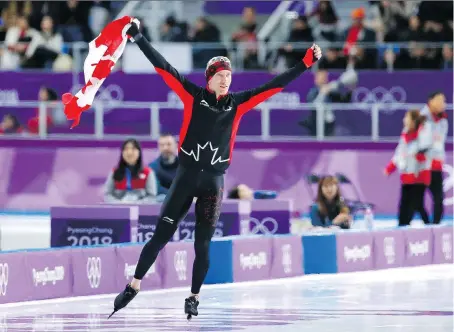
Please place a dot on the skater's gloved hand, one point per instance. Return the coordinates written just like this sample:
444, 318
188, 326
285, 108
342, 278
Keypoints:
312, 55
133, 31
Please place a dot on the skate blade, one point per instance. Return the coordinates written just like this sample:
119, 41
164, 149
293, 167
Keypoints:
189, 317
112, 314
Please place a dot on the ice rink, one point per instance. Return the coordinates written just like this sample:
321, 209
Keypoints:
406, 299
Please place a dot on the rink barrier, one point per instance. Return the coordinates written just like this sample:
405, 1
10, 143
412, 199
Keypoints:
106, 269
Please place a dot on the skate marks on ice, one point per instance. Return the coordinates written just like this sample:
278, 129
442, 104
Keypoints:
416, 299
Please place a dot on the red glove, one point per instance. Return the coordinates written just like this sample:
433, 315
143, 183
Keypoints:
312, 55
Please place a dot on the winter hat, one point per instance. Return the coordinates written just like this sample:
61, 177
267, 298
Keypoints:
215, 65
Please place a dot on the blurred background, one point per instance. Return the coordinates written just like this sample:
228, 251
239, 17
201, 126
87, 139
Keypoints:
343, 118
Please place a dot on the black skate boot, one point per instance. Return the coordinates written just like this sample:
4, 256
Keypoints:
123, 299
190, 306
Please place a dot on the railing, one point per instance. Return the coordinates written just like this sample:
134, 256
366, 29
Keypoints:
372, 110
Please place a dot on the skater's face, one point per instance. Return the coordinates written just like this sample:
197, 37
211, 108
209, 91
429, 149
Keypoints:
130, 154
329, 190
438, 103
220, 82
408, 122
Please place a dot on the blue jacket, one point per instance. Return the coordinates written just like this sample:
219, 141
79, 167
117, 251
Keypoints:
165, 173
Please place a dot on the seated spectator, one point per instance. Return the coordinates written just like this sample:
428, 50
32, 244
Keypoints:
173, 31
358, 33
329, 209
10, 125
17, 40
205, 32
327, 20
324, 92
165, 166
44, 47
332, 59
300, 33
415, 57
413, 32
130, 182
243, 192
446, 62
247, 37
54, 111
436, 20
72, 19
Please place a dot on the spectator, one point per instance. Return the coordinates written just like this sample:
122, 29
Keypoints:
446, 62
205, 32
358, 33
329, 209
17, 40
244, 192
165, 166
53, 110
173, 31
416, 57
436, 20
332, 59
413, 32
414, 166
246, 36
130, 182
44, 47
71, 17
300, 33
10, 125
324, 92
327, 20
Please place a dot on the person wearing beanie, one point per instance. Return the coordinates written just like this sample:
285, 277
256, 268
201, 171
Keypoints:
211, 118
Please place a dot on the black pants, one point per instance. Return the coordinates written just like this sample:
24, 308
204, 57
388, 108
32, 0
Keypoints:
436, 189
411, 201
188, 183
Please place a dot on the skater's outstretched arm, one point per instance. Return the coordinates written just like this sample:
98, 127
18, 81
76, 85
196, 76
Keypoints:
177, 82
248, 99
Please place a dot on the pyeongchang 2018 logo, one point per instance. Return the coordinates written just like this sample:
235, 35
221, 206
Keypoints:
253, 261
357, 253
4, 278
448, 184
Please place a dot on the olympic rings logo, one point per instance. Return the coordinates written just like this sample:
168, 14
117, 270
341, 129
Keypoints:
389, 249
4, 274
180, 262
94, 271
380, 95
446, 240
287, 258
267, 225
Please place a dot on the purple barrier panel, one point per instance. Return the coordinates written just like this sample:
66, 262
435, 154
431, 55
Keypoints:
418, 246
148, 219
443, 244
127, 257
389, 248
176, 264
261, 165
270, 216
93, 225
354, 251
252, 258
49, 272
92, 271
287, 256
14, 284
229, 223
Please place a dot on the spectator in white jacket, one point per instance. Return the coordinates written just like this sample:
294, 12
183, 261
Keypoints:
17, 41
45, 46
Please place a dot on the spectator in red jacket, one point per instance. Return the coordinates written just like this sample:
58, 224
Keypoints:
10, 125
413, 162
130, 182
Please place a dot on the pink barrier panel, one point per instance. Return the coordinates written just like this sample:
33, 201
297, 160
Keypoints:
252, 258
15, 285
93, 273
443, 245
49, 273
176, 264
354, 251
127, 257
287, 257
389, 248
418, 246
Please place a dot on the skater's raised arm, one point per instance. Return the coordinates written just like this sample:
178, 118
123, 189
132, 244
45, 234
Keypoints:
177, 82
248, 99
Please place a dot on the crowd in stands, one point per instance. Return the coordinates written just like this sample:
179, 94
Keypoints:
36, 33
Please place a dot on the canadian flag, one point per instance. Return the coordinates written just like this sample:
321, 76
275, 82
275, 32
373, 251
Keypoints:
103, 53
